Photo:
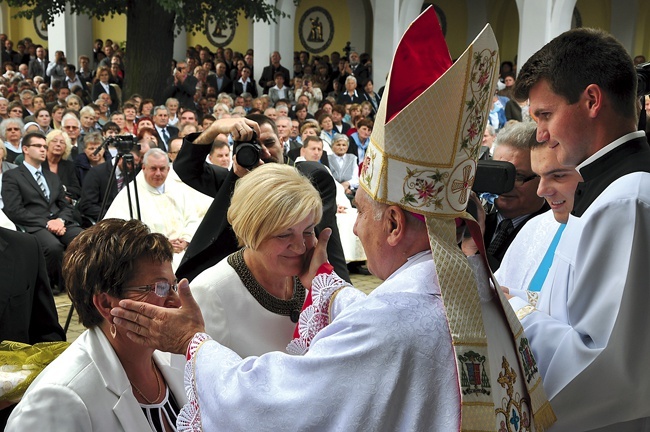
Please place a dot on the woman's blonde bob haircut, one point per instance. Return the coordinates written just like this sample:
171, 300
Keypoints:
269, 200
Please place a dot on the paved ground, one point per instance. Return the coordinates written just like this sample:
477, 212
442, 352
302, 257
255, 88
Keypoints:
364, 283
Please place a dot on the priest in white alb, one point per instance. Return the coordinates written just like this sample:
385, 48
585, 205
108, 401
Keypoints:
164, 207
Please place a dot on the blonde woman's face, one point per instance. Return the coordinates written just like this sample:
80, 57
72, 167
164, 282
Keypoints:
56, 146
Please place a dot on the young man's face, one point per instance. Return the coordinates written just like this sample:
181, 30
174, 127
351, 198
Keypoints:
565, 127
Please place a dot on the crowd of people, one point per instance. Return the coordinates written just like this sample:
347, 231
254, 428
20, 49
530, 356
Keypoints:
267, 247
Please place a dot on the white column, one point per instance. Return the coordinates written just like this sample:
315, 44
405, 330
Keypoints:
180, 46
264, 43
72, 34
285, 35
548, 18
386, 35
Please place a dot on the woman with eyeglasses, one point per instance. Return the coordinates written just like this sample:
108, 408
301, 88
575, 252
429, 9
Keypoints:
11, 132
104, 381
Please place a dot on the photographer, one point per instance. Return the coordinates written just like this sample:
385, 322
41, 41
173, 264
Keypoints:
214, 239
182, 86
313, 93
56, 69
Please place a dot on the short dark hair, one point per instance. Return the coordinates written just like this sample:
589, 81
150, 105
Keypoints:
110, 126
578, 58
102, 259
309, 139
27, 139
217, 144
261, 119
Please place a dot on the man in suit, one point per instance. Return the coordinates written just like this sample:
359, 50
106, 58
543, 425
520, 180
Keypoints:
96, 188
183, 86
521, 204
38, 65
245, 84
214, 240
35, 199
220, 81
164, 132
267, 80
356, 69
27, 309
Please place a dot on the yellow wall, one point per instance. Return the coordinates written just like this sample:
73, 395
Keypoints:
456, 37
112, 28
21, 28
340, 13
239, 43
596, 13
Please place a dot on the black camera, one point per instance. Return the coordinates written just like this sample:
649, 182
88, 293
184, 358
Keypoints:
123, 143
248, 153
496, 177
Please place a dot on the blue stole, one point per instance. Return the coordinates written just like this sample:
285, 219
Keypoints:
542, 271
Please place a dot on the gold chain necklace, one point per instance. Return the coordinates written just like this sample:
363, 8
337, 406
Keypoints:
153, 366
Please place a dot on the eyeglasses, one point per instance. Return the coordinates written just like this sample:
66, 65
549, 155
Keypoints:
71, 127
38, 146
160, 288
520, 179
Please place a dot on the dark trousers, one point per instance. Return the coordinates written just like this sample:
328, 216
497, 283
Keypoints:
53, 248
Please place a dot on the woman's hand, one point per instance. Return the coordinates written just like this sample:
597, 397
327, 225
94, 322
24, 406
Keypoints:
314, 258
166, 329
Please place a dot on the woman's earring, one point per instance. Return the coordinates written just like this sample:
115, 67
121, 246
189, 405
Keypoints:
113, 331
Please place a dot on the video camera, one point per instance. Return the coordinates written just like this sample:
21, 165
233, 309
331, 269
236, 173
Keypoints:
123, 143
247, 152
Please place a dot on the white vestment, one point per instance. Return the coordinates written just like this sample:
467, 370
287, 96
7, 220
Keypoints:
385, 363
234, 318
588, 333
525, 253
172, 213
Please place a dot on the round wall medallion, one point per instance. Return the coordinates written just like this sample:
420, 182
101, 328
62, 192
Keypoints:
316, 29
40, 26
218, 35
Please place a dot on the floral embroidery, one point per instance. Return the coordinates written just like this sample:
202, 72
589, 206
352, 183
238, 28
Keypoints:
422, 188
482, 69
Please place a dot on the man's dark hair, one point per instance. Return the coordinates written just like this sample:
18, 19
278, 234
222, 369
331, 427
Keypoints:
110, 126
309, 139
261, 119
578, 58
27, 139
